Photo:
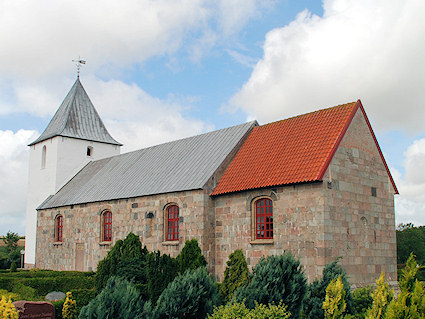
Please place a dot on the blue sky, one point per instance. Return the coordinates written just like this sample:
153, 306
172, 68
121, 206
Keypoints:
162, 70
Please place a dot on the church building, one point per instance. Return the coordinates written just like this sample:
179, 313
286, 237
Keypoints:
316, 185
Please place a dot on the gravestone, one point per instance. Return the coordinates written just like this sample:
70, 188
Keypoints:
35, 309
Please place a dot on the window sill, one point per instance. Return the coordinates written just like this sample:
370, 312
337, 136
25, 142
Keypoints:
262, 242
105, 243
57, 243
171, 243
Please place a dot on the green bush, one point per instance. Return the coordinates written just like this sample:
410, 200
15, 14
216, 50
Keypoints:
118, 300
25, 292
191, 256
83, 297
362, 300
160, 271
316, 291
275, 279
58, 308
411, 301
13, 267
381, 296
235, 275
191, 295
239, 310
334, 305
123, 256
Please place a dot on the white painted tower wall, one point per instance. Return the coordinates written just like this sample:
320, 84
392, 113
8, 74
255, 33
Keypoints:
65, 157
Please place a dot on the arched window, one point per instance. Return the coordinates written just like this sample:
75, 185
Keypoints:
43, 157
264, 219
107, 226
172, 217
59, 228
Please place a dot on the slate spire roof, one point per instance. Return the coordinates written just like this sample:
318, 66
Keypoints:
295, 150
77, 118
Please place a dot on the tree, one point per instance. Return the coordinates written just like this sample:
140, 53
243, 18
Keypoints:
411, 301
334, 304
382, 296
316, 291
123, 253
160, 271
191, 256
11, 240
190, 295
235, 275
118, 300
275, 279
410, 239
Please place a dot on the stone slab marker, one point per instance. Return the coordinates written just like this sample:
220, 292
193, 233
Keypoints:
35, 310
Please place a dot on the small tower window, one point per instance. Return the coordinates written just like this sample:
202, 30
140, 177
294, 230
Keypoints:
89, 151
43, 157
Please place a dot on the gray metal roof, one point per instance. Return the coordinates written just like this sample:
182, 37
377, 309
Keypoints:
77, 118
175, 166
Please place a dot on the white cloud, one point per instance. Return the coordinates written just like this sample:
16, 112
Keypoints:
14, 177
367, 49
410, 207
40, 38
137, 119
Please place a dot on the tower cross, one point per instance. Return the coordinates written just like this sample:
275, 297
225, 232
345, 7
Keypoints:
78, 63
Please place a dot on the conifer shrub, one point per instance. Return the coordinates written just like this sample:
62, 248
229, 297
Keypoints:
191, 256
235, 275
160, 271
69, 308
411, 301
239, 310
362, 300
381, 298
116, 263
275, 279
190, 295
316, 291
334, 305
118, 300
7, 309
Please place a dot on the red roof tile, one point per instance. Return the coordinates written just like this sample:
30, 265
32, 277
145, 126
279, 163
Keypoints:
294, 150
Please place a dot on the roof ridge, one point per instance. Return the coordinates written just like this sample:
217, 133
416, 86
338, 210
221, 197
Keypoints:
309, 113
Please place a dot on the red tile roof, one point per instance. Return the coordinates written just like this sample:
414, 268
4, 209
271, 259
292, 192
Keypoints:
294, 150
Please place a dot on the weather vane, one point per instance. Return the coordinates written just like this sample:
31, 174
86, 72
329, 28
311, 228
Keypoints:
79, 62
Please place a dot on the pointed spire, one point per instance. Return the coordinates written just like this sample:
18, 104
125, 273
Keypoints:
77, 118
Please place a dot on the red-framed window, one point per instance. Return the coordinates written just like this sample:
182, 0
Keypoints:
59, 228
173, 222
264, 219
107, 226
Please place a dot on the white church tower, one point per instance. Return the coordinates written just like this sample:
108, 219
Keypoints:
74, 136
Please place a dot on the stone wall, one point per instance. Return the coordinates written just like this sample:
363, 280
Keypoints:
143, 216
298, 226
359, 221
319, 222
